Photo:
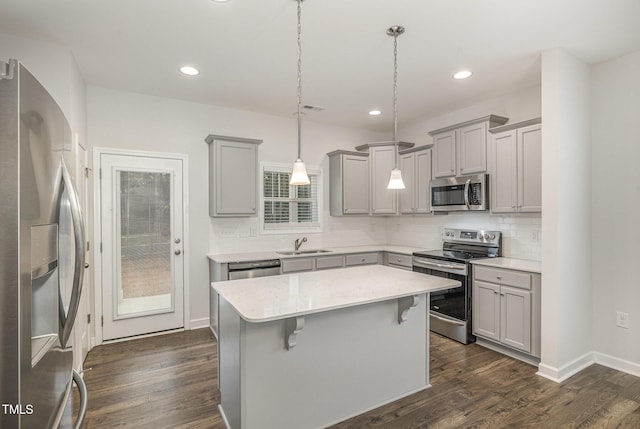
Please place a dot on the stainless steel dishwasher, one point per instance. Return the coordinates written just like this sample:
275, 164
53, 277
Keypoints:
249, 270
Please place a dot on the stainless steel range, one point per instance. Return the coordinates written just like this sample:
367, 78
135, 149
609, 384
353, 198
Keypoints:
450, 310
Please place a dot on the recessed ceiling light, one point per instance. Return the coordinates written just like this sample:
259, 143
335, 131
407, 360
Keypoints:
462, 74
375, 112
220, 1
189, 71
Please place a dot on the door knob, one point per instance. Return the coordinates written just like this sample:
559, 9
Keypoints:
177, 241
86, 265
177, 252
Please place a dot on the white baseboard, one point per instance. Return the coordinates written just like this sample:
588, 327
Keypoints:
561, 374
588, 359
617, 363
199, 323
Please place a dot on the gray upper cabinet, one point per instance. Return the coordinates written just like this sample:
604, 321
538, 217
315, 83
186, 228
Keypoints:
383, 200
444, 154
382, 159
415, 164
516, 178
472, 153
233, 176
349, 183
462, 148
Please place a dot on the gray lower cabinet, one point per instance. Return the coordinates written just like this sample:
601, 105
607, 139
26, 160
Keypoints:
363, 259
516, 179
217, 272
399, 260
326, 262
349, 183
233, 176
506, 308
298, 264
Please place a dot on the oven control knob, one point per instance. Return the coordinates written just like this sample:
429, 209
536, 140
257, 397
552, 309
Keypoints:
486, 236
492, 236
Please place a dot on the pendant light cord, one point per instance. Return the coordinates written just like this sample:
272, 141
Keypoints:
299, 76
395, 88
395, 95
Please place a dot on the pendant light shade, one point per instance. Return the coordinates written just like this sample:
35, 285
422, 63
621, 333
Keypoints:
299, 174
395, 179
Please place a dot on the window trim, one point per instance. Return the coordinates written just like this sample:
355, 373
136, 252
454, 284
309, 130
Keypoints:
289, 228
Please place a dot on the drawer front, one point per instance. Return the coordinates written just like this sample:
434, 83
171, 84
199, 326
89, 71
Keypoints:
504, 277
330, 262
362, 259
293, 265
400, 260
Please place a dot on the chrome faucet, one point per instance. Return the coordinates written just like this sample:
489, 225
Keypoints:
299, 242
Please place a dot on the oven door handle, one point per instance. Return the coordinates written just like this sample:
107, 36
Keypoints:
420, 262
452, 322
466, 194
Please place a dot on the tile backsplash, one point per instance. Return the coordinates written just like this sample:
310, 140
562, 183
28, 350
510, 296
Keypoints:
521, 234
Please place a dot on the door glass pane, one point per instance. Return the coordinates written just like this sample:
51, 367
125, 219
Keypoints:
144, 244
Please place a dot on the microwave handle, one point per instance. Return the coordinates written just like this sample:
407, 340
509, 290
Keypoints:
466, 194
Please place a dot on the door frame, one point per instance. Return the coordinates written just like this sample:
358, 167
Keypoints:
97, 231
82, 326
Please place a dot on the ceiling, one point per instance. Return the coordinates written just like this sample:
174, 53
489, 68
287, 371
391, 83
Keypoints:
246, 49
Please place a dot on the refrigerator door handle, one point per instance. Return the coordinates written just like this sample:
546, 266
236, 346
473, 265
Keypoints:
66, 321
82, 390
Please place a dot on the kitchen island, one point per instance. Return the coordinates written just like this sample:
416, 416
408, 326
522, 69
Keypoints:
311, 349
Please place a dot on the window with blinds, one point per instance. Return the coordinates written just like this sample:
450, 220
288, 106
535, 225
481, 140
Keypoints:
289, 207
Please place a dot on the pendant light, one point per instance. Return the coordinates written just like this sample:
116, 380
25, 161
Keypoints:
395, 180
299, 174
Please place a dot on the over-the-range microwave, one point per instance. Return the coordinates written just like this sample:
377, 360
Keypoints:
464, 193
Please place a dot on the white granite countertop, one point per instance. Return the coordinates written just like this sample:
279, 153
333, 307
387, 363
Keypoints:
511, 264
224, 258
278, 297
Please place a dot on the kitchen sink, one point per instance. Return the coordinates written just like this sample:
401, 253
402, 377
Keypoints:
303, 252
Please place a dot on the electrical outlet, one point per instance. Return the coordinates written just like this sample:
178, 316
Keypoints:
622, 319
227, 232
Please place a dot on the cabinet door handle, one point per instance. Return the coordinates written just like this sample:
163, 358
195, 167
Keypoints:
499, 277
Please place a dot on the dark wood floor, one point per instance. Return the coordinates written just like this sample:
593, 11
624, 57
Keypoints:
170, 382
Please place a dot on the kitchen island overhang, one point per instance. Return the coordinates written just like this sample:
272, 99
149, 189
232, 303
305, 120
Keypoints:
315, 348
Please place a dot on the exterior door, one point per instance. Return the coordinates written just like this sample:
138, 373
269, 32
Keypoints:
142, 244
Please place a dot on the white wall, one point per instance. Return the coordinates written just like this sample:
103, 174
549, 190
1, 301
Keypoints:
615, 111
138, 122
566, 217
56, 69
521, 233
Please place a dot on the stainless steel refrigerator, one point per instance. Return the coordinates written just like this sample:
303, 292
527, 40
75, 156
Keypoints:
42, 248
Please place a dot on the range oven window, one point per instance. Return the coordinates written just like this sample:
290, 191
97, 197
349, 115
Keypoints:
449, 302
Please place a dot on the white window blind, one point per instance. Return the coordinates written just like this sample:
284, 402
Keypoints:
289, 207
